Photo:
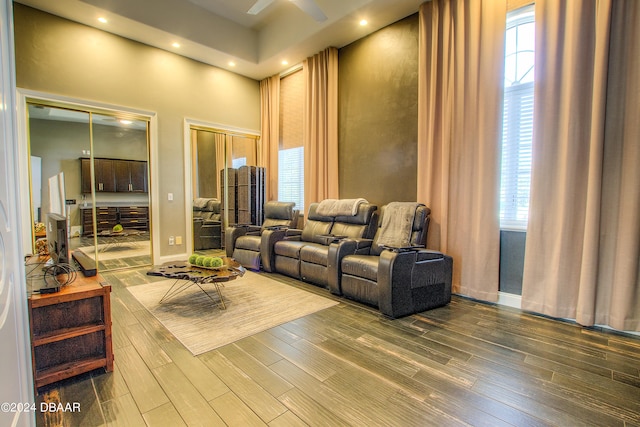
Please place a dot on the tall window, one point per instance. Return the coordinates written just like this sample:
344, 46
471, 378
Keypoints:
291, 151
517, 119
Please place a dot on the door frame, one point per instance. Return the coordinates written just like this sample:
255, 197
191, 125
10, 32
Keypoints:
188, 166
26, 95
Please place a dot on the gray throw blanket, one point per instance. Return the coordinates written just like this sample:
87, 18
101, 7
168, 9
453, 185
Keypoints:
339, 207
397, 224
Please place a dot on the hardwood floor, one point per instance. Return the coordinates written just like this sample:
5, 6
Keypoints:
465, 364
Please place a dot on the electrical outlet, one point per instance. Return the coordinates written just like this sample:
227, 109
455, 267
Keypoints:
178, 240
171, 240
170, 197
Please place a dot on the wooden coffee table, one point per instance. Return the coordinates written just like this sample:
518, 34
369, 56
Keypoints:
187, 275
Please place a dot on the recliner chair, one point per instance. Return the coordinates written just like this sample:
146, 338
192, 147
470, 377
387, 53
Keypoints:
306, 256
245, 243
207, 224
393, 272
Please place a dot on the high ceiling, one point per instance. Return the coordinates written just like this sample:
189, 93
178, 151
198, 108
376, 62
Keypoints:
219, 32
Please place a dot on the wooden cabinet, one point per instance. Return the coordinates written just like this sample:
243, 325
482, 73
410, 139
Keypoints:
106, 218
131, 176
85, 175
115, 175
136, 217
105, 175
71, 330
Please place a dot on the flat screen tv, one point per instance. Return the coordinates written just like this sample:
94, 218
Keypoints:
57, 238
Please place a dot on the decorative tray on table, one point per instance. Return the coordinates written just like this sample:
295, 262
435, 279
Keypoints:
206, 262
222, 267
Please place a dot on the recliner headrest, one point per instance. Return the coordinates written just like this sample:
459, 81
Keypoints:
313, 215
363, 217
278, 210
206, 204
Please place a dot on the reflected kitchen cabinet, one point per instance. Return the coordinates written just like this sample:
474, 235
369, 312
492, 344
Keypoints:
131, 176
105, 175
115, 176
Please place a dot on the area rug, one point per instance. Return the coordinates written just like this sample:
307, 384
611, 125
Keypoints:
254, 303
119, 250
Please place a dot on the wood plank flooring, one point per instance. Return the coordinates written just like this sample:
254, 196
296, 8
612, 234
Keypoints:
465, 364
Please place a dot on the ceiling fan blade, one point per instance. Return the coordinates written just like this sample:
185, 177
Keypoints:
311, 8
259, 6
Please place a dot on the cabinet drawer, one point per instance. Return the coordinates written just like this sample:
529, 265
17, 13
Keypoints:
134, 212
133, 222
106, 213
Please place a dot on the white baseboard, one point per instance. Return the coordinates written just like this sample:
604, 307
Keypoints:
510, 300
515, 301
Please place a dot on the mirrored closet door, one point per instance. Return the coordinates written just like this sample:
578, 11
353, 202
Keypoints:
228, 185
100, 162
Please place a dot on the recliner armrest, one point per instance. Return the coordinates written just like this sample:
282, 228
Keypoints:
427, 254
362, 245
403, 248
292, 234
268, 240
230, 236
337, 251
413, 281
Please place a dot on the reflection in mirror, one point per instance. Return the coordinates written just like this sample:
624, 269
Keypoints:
208, 164
243, 151
57, 138
246, 182
219, 158
105, 164
120, 164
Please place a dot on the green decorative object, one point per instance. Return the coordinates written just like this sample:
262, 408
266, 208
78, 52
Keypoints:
117, 228
208, 261
200, 260
192, 258
216, 262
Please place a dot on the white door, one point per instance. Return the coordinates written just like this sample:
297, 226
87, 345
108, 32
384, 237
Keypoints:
16, 390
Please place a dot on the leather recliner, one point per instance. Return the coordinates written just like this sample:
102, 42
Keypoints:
244, 243
399, 280
305, 256
207, 225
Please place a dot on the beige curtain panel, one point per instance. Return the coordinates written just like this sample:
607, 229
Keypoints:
320, 138
459, 124
583, 240
269, 133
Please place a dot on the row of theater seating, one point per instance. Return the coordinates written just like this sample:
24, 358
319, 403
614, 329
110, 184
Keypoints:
373, 256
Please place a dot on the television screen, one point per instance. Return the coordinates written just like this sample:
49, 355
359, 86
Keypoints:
57, 239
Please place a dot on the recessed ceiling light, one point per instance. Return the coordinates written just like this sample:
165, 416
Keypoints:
125, 122
232, 64
363, 22
285, 62
175, 44
103, 19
